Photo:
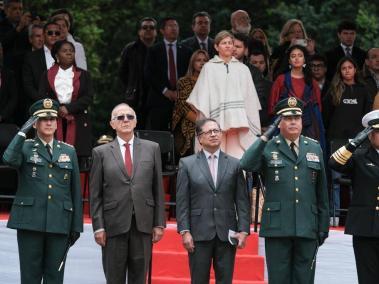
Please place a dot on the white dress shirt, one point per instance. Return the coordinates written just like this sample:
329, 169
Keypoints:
121, 144
205, 41
344, 49
64, 85
216, 159
174, 51
296, 144
48, 58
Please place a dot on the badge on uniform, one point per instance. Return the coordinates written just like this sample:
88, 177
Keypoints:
312, 157
64, 158
35, 158
65, 176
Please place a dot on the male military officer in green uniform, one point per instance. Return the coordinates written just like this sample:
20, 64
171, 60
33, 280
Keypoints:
47, 209
295, 219
362, 165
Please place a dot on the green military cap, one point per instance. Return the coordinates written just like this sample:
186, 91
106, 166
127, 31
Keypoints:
44, 108
104, 139
289, 106
371, 119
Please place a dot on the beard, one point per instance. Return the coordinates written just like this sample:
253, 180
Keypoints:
243, 29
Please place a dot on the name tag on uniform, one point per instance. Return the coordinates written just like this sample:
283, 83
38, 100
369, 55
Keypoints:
64, 158
276, 162
312, 157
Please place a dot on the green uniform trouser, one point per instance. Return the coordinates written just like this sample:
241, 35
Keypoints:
289, 260
40, 256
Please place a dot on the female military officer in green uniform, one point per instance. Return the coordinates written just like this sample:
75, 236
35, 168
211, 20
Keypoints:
295, 218
47, 209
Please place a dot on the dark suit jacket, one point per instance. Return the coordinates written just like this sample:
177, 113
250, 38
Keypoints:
34, 66
8, 96
156, 73
78, 108
206, 210
193, 44
334, 55
115, 196
363, 168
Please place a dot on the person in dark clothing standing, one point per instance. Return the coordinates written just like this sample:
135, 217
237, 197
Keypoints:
132, 67
362, 221
344, 105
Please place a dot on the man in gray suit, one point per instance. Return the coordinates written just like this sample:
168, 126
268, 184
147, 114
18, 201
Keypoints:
211, 199
127, 200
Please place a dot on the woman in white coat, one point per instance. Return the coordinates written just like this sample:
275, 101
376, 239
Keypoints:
225, 91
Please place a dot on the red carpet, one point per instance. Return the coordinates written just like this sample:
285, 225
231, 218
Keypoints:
170, 261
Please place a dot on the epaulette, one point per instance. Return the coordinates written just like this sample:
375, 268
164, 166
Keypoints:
29, 140
311, 139
61, 142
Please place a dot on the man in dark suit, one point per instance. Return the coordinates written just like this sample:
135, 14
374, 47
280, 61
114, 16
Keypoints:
346, 34
295, 215
127, 200
38, 61
211, 199
362, 165
47, 208
371, 71
166, 62
131, 70
318, 66
201, 26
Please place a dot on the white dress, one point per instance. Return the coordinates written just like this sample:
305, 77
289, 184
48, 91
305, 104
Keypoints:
226, 93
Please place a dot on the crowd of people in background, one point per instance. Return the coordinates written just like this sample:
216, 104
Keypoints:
235, 78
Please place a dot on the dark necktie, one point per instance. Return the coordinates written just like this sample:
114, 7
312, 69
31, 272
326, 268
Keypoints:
292, 146
172, 67
48, 149
203, 46
348, 51
128, 159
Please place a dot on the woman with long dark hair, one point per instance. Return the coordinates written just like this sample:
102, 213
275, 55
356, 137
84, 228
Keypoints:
72, 87
296, 81
346, 102
184, 117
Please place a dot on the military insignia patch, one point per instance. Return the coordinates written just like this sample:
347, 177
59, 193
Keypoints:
47, 103
312, 157
292, 102
64, 158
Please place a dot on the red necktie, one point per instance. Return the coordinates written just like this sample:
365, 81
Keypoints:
128, 159
171, 66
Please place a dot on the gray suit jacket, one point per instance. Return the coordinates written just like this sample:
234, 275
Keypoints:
206, 210
113, 194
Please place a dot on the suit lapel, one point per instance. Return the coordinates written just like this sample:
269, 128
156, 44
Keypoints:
284, 148
43, 60
116, 152
222, 166
137, 152
205, 168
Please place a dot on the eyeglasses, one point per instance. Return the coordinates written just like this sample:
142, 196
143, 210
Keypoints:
51, 33
148, 28
210, 132
315, 66
123, 116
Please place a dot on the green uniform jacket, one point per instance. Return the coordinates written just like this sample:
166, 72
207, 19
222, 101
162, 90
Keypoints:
296, 201
48, 198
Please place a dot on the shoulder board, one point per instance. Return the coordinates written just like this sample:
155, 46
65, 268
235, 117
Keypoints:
29, 140
311, 139
61, 142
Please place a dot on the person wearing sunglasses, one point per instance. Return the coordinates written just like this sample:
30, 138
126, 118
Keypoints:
39, 61
72, 87
132, 67
126, 199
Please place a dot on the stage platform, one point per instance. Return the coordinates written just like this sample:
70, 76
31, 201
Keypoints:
335, 262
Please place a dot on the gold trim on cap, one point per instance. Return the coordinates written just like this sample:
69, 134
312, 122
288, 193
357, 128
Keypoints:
44, 112
295, 109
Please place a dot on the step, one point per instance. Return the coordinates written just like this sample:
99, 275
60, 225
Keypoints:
175, 264
168, 280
